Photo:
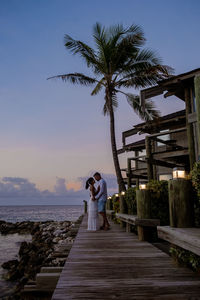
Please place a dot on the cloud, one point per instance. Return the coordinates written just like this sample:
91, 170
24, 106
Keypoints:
60, 186
22, 188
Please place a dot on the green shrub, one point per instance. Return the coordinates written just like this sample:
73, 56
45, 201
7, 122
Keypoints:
130, 199
186, 258
195, 175
116, 203
159, 200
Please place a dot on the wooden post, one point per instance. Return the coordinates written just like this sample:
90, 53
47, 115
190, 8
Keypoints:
189, 126
149, 157
123, 208
110, 204
128, 227
197, 99
129, 172
123, 205
143, 211
85, 206
181, 207
154, 166
136, 167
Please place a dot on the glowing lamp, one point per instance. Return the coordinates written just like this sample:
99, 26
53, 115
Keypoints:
122, 193
116, 195
178, 173
142, 186
109, 198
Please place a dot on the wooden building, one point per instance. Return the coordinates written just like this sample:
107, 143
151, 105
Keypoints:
169, 141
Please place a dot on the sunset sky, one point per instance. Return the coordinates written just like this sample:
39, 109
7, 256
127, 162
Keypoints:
53, 135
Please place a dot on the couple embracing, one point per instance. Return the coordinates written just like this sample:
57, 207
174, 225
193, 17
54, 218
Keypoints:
97, 202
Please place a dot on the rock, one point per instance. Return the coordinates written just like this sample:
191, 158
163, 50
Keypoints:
47, 238
10, 264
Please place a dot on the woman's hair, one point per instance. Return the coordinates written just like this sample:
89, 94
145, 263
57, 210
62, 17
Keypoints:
88, 182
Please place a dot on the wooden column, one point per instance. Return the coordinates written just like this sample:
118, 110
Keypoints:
190, 133
154, 166
123, 205
136, 167
123, 208
197, 99
149, 157
129, 172
181, 207
143, 211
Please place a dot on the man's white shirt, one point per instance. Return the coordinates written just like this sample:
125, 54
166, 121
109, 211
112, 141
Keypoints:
102, 195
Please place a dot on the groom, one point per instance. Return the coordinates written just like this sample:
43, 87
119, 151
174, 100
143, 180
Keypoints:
102, 198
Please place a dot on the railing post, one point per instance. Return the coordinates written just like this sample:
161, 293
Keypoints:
181, 207
85, 206
143, 198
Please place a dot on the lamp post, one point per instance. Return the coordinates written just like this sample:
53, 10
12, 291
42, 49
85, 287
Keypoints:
181, 207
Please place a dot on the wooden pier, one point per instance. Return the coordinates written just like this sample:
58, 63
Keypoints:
115, 265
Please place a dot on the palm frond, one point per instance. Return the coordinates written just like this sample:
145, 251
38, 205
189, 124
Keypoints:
98, 87
85, 51
76, 78
148, 113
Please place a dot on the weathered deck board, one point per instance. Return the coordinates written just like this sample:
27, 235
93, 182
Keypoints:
115, 265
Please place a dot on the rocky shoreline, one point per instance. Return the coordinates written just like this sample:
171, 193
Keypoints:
50, 246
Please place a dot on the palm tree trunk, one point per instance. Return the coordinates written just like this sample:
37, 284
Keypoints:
114, 148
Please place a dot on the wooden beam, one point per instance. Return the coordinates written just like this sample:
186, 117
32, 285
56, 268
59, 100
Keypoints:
120, 151
173, 152
190, 133
168, 132
163, 163
171, 143
149, 158
197, 99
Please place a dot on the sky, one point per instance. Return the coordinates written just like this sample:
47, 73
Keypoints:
53, 135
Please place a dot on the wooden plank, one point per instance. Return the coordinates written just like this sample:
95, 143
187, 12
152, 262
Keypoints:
192, 117
186, 238
134, 220
115, 265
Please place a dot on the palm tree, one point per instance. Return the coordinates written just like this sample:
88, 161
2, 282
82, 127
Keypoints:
118, 62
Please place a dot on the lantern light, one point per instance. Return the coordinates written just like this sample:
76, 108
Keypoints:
142, 186
179, 173
123, 193
116, 195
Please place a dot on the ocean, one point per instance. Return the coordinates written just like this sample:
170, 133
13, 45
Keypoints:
9, 244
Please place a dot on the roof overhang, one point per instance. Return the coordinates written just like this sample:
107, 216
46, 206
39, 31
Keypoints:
173, 86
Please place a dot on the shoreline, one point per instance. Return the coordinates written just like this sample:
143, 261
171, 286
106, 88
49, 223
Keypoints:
49, 248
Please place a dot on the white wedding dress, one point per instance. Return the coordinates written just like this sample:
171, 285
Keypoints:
92, 214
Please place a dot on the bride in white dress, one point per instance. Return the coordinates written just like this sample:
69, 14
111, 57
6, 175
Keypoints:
92, 205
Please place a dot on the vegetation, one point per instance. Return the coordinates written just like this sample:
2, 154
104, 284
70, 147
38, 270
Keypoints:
159, 200
186, 258
130, 198
118, 62
195, 175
